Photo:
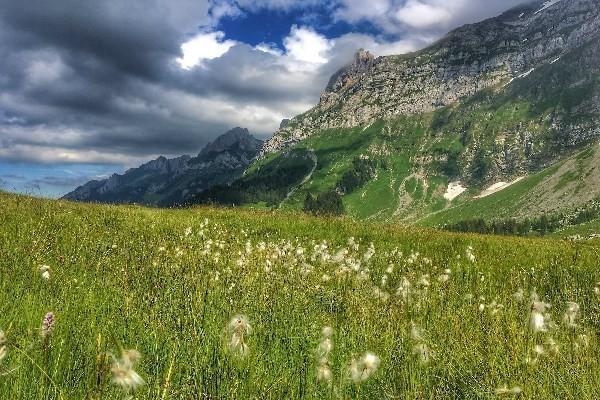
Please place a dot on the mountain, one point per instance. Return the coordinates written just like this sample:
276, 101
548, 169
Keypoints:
406, 137
168, 182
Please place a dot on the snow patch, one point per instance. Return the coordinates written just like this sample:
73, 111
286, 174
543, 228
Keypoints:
454, 190
496, 187
546, 5
523, 75
555, 60
521, 15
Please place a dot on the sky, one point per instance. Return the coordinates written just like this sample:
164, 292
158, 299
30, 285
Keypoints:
90, 88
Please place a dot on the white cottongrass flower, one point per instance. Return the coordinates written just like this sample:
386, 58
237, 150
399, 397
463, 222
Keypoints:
239, 328
470, 255
422, 352
537, 319
123, 374
404, 289
571, 315
325, 347
327, 332
44, 271
552, 346
415, 333
3, 349
506, 391
361, 369
445, 277
424, 281
519, 295
324, 370
380, 295
582, 342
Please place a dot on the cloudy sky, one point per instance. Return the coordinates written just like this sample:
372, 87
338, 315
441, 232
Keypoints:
88, 88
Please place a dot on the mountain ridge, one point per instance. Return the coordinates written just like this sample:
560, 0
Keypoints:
169, 182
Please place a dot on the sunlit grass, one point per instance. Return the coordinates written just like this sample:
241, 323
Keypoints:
415, 315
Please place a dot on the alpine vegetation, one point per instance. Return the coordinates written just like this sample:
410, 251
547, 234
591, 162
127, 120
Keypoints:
245, 304
123, 374
239, 329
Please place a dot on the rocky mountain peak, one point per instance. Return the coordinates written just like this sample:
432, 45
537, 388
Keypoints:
237, 138
363, 62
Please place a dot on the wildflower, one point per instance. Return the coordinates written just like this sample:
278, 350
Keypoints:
325, 347
239, 328
44, 272
519, 295
3, 350
597, 289
537, 319
424, 281
445, 277
362, 369
380, 294
420, 349
415, 333
384, 280
571, 315
470, 255
48, 325
327, 332
188, 231
123, 374
324, 370
505, 390
404, 289
495, 307
582, 342
553, 347
423, 353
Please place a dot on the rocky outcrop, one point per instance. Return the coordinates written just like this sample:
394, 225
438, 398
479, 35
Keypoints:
487, 55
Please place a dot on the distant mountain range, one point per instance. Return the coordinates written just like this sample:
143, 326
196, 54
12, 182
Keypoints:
170, 182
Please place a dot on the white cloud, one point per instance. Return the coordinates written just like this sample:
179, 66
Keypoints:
358, 10
410, 17
306, 49
417, 14
204, 46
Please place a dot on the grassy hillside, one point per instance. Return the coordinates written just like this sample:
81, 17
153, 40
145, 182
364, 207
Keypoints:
441, 318
566, 185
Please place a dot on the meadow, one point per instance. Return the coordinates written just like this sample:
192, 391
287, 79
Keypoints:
114, 302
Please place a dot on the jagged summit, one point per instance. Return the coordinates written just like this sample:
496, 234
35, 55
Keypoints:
238, 138
363, 62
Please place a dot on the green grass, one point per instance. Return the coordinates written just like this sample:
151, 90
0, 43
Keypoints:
133, 277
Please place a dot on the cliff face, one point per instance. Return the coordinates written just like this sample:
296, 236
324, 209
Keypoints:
167, 182
487, 55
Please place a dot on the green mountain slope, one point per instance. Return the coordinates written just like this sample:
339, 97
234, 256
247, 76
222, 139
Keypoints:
492, 102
